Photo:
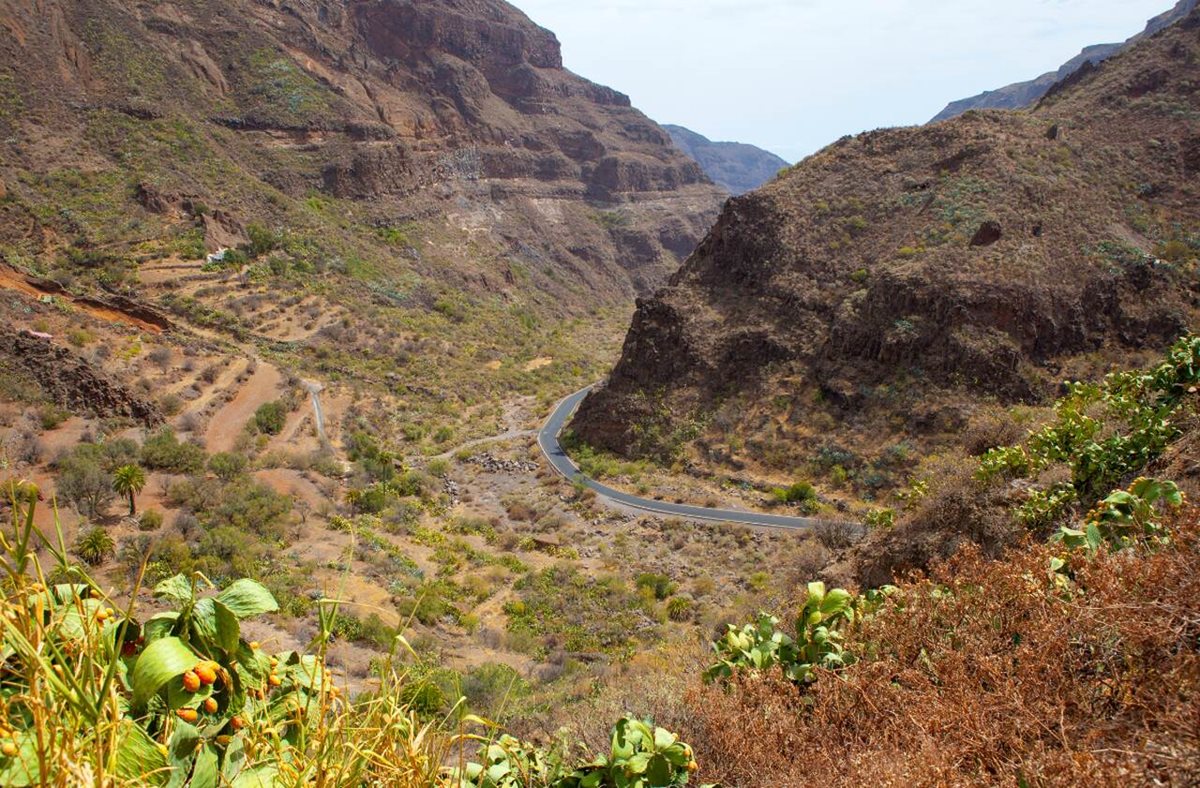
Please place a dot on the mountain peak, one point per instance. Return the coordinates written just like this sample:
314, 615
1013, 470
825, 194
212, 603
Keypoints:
734, 166
1024, 94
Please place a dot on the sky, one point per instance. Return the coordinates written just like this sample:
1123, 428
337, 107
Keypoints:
792, 76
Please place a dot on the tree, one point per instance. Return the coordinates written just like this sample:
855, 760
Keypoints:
128, 481
83, 482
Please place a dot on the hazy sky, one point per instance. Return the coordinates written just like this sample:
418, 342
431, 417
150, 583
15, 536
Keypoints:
794, 75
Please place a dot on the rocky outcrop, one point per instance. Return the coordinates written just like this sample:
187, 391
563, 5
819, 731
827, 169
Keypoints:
72, 382
734, 166
1026, 94
977, 258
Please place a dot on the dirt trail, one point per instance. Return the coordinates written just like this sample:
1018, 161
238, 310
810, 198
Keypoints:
14, 280
228, 422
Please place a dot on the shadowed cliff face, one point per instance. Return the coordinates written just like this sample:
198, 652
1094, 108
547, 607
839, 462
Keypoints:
973, 259
439, 110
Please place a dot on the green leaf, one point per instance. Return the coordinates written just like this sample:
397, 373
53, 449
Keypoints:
205, 773
621, 747
659, 772
21, 769
138, 757
180, 752
258, 777
163, 660
836, 601
246, 598
639, 763
663, 739
216, 625
177, 589
160, 625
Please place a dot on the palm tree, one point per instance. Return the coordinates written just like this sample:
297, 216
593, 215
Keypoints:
95, 546
128, 480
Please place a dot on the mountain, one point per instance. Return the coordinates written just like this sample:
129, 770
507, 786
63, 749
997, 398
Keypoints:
734, 166
867, 307
1024, 94
454, 118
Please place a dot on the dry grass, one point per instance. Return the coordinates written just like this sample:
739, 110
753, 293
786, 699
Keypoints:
984, 674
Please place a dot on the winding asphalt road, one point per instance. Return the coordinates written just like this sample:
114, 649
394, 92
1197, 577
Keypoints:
548, 441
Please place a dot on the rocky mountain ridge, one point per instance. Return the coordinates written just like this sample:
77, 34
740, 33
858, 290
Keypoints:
1024, 94
734, 166
881, 292
454, 114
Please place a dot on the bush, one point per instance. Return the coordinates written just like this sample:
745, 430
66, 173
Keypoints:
151, 520
680, 608
164, 452
800, 492
227, 466
51, 417
270, 418
658, 586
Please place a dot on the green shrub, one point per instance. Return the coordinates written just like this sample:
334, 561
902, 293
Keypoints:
800, 492
164, 452
270, 417
658, 586
151, 520
228, 466
641, 756
821, 629
679, 608
1103, 433
51, 417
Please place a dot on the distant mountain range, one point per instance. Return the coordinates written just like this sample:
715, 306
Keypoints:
1024, 94
734, 166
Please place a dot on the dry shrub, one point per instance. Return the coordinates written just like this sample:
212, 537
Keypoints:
959, 511
984, 674
990, 431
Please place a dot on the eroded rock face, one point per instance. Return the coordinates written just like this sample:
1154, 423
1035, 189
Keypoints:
975, 258
72, 382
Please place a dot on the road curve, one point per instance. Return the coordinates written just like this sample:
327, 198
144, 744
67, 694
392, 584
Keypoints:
548, 441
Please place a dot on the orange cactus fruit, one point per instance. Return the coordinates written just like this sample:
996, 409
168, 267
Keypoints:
274, 680
9, 749
210, 705
191, 681
236, 723
188, 715
207, 671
